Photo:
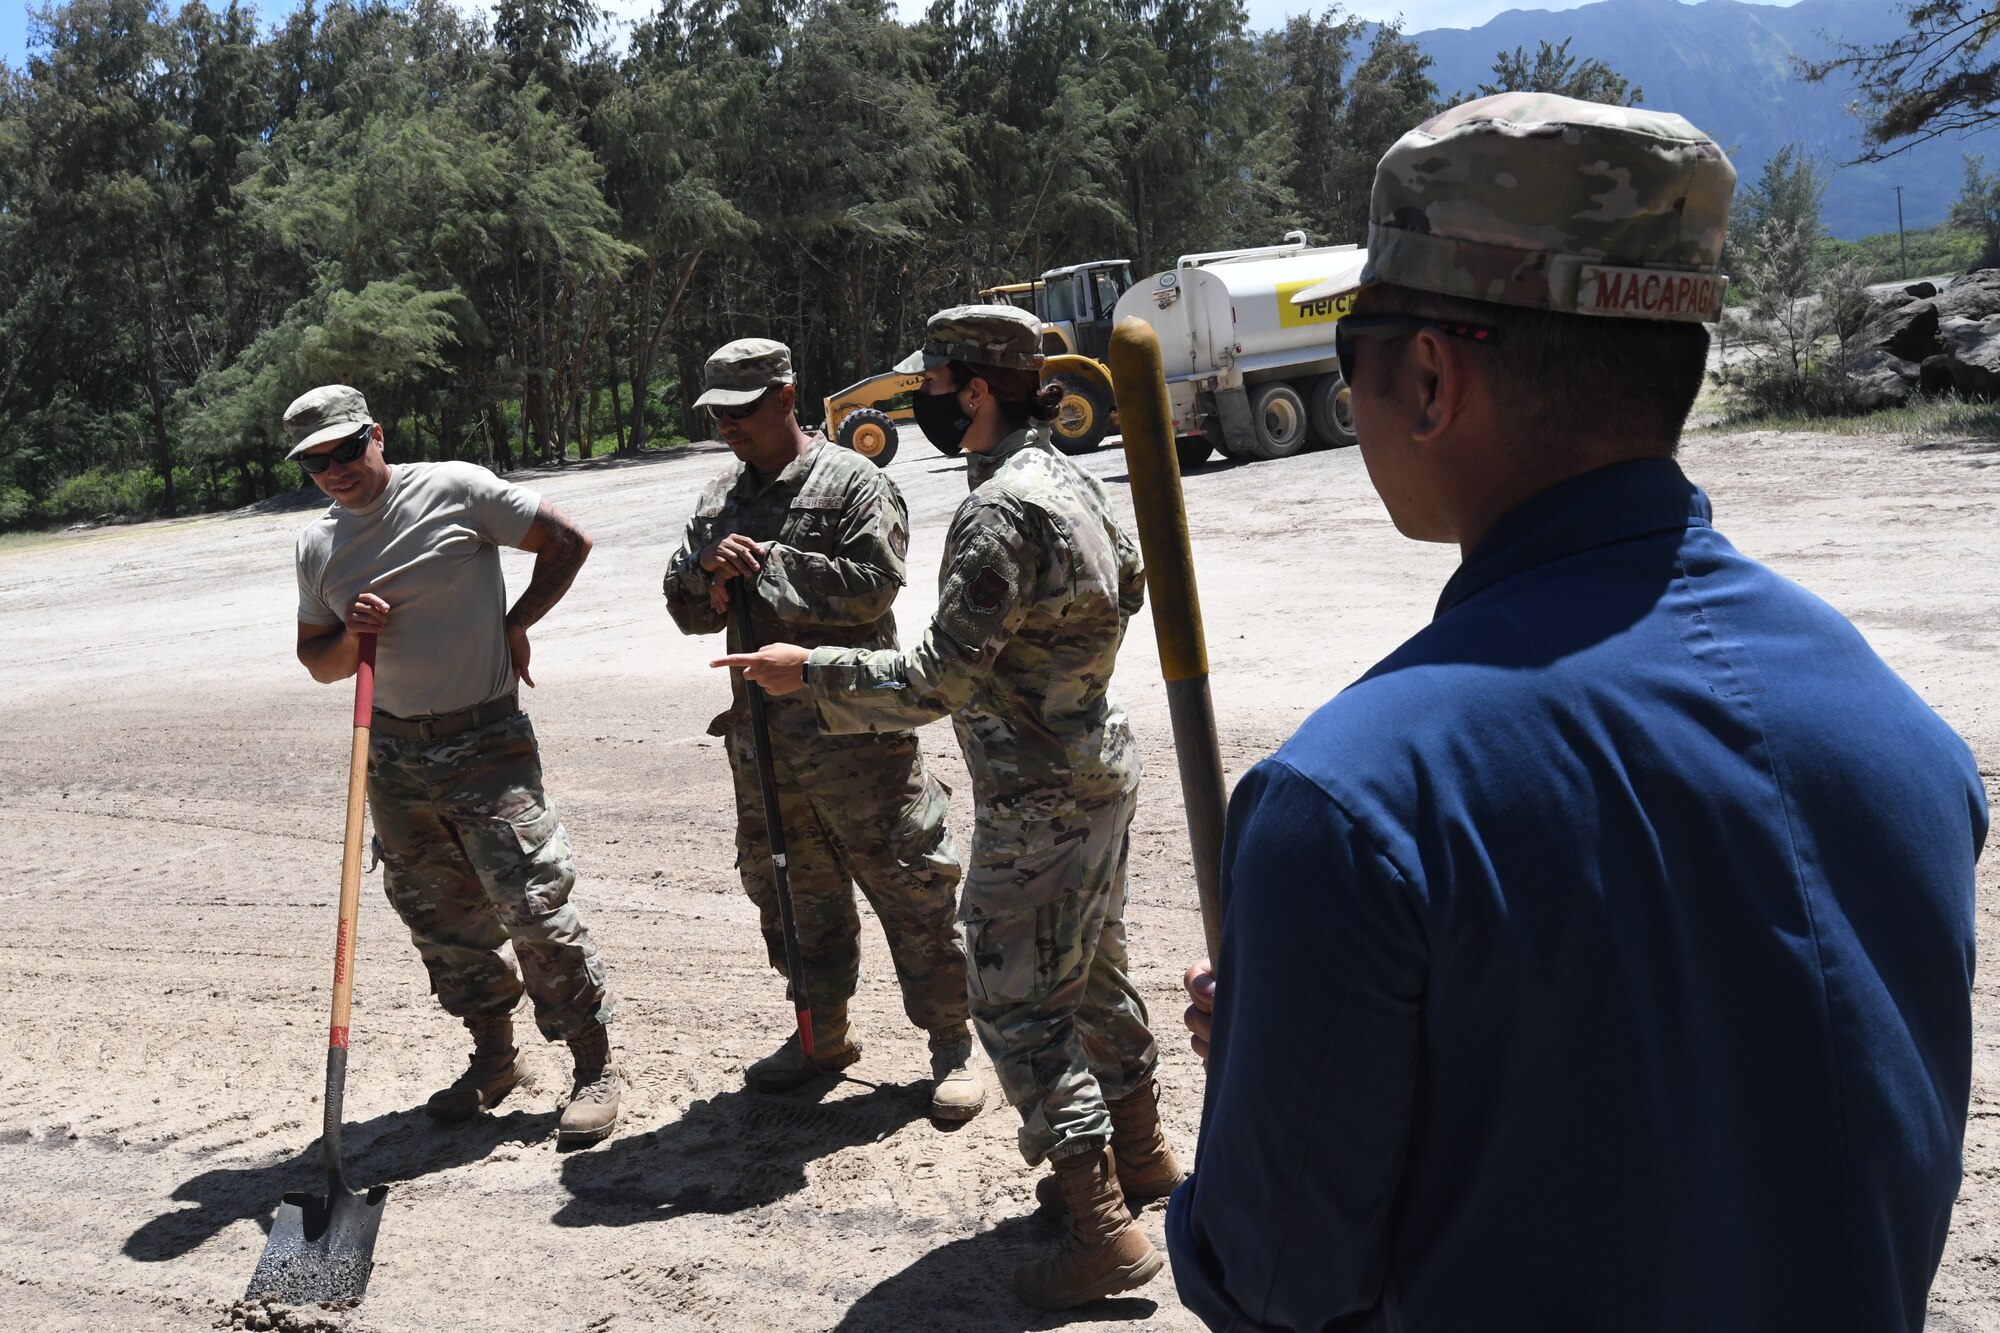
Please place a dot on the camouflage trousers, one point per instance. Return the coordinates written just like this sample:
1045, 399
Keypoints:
1044, 923
474, 857
857, 810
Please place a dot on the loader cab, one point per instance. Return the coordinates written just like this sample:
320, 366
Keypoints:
1020, 295
1075, 304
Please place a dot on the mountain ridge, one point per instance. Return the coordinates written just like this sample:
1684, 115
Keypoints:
1726, 65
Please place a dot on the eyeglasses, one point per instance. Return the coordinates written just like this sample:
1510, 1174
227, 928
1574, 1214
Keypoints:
345, 452
1352, 327
748, 409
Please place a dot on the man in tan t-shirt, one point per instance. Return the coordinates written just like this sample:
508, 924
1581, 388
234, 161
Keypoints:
475, 854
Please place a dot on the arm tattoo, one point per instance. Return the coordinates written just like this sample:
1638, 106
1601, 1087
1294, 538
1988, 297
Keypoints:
561, 553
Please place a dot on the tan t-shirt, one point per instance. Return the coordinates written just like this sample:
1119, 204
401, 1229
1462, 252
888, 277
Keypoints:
428, 546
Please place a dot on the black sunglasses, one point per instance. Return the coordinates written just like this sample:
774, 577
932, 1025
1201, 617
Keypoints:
345, 452
1348, 329
748, 409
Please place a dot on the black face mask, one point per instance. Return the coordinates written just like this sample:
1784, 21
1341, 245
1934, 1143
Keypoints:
941, 419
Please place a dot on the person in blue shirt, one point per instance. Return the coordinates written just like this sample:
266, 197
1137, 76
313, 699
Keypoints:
1602, 958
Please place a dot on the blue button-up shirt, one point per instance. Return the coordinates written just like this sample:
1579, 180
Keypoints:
1600, 960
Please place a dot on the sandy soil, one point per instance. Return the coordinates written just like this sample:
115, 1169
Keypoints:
175, 783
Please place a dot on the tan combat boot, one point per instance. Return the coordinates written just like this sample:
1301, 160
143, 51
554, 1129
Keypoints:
493, 1073
592, 1110
1146, 1166
787, 1067
957, 1091
1104, 1252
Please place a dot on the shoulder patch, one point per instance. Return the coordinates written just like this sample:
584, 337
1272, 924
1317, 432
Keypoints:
987, 590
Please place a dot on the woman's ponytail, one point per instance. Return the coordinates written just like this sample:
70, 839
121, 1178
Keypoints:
1047, 404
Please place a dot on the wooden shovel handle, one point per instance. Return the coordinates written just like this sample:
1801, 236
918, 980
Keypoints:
350, 854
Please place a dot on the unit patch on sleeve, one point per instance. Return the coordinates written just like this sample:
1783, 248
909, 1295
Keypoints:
987, 591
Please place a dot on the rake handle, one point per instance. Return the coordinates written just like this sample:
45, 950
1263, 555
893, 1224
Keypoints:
767, 780
350, 910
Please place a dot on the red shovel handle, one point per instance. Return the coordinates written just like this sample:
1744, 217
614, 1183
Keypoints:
364, 683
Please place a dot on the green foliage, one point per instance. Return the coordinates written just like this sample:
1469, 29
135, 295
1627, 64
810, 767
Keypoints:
522, 244
17, 509
1940, 77
1795, 335
135, 492
1935, 250
1552, 69
1977, 208
1333, 125
1798, 307
1781, 207
1787, 192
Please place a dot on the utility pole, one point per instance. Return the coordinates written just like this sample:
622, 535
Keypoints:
1902, 251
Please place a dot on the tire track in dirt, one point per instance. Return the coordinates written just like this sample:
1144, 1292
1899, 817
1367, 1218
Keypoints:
166, 972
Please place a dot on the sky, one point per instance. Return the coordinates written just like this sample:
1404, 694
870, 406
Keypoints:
1417, 15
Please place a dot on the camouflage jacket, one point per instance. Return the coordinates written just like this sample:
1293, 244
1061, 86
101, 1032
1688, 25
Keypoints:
1037, 584
834, 531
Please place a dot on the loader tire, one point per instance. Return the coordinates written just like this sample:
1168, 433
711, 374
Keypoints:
870, 433
1084, 418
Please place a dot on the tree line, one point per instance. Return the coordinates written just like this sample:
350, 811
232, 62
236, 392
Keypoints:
521, 239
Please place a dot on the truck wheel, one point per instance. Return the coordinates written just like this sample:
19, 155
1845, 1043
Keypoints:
1191, 451
1330, 408
870, 433
1084, 418
1277, 420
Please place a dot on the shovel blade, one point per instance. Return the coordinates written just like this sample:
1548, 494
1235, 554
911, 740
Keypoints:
320, 1249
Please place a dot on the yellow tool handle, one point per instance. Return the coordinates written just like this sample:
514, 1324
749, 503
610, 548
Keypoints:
1139, 378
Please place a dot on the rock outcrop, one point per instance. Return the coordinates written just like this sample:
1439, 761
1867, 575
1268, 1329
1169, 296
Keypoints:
1918, 337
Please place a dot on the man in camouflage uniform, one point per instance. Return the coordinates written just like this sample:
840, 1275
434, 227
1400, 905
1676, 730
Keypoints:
1037, 584
817, 534
475, 855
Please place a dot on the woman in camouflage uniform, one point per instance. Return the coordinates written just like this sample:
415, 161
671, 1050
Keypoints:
1037, 584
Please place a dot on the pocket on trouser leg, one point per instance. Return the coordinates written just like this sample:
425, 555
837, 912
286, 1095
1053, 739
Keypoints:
1036, 956
525, 863
1007, 957
533, 827
1017, 913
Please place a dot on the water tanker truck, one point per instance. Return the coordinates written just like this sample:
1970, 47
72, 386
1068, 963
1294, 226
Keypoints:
1248, 372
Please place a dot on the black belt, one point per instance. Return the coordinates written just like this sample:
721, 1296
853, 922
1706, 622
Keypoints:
447, 724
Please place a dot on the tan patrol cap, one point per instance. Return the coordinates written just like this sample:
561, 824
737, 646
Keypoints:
1003, 336
1536, 200
743, 371
323, 414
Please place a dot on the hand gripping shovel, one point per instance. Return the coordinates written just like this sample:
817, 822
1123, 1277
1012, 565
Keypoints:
767, 778
322, 1249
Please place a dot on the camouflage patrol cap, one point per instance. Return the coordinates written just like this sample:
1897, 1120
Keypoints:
322, 414
1003, 336
743, 371
1536, 200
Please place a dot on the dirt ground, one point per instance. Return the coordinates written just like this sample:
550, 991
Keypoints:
175, 782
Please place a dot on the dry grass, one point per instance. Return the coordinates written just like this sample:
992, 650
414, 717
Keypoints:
1923, 420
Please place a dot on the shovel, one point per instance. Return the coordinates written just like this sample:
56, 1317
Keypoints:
767, 778
322, 1249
